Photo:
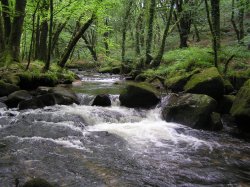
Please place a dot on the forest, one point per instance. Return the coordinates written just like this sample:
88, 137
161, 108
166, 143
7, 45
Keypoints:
124, 93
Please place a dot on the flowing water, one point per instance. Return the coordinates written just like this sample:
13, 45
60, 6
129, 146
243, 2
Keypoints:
84, 145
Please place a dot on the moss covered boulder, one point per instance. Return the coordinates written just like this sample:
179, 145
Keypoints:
177, 83
208, 82
241, 107
192, 110
37, 182
6, 88
64, 96
139, 95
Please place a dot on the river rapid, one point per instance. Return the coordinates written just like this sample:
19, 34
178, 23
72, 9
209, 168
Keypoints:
84, 145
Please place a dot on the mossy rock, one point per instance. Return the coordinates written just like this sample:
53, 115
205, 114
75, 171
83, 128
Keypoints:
241, 107
139, 95
208, 82
238, 79
102, 100
225, 104
140, 78
6, 88
192, 110
177, 83
37, 182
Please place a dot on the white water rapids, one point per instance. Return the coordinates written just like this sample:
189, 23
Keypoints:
83, 145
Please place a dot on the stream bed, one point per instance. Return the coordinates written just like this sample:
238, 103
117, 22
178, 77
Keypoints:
84, 145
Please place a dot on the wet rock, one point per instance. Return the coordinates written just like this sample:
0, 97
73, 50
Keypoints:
208, 82
102, 100
64, 96
241, 107
141, 95
216, 123
30, 104
238, 79
6, 88
16, 97
37, 182
42, 90
2, 145
192, 110
225, 104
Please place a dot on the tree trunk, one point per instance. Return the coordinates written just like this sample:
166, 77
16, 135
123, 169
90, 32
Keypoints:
158, 58
241, 19
138, 34
91, 48
215, 45
106, 36
74, 41
124, 29
43, 41
37, 42
47, 64
150, 29
2, 42
215, 19
6, 20
16, 29
56, 35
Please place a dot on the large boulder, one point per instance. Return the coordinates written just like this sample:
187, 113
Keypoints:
6, 88
37, 182
208, 82
64, 96
192, 110
139, 95
102, 100
241, 108
16, 97
177, 83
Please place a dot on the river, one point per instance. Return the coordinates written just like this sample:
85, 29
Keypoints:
84, 145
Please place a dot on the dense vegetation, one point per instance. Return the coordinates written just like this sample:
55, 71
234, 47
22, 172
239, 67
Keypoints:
142, 34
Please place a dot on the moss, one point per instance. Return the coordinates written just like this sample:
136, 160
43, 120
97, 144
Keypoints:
208, 82
143, 86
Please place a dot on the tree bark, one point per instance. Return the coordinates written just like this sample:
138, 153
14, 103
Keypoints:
215, 18
6, 20
16, 29
215, 45
37, 42
105, 41
150, 29
2, 42
43, 41
56, 35
74, 41
47, 64
138, 34
124, 29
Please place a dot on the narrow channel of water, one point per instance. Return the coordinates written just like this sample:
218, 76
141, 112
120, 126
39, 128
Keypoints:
84, 145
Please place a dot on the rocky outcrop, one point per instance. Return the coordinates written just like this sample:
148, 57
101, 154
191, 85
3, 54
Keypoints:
16, 97
241, 108
6, 88
102, 100
140, 95
192, 110
208, 82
